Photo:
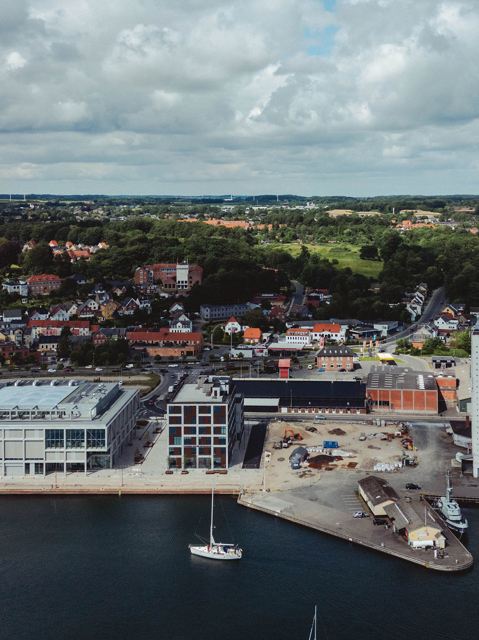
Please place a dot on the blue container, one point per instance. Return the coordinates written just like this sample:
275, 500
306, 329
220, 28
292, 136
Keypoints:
330, 444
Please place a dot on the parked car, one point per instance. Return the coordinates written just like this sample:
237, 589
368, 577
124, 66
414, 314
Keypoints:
360, 514
206, 348
320, 370
412, 485
143, 370
318, 418
98, 369
377, 521
68, 370
342, 370
89, 366
52, 370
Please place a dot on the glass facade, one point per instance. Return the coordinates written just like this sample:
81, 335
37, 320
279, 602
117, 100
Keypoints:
95, 439
54, 439
75, 438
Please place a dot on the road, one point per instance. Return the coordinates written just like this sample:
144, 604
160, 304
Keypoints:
432, 309
298, 295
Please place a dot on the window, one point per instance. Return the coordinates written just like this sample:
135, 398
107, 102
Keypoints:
221, 440
75, 438
204, 419
187, 441
190, 430
54, 439
174, 409
177, 441
95, 438
223, 431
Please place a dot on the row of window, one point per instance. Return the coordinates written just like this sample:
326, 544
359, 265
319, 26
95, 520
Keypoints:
201, 451
191, 431
74, 438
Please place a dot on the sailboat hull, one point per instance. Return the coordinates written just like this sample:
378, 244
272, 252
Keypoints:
216, 553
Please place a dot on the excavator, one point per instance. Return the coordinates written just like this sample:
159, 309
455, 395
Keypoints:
289, 436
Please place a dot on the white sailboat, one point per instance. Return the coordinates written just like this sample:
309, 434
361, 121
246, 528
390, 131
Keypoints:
314, 626
216, 550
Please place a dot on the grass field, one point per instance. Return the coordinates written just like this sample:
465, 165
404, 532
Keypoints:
347, 255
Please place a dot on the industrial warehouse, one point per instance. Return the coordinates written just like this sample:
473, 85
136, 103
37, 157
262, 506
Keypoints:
385, 389
63, 426
302, 396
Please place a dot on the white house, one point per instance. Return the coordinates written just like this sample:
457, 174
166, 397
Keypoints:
300, 336
181, 324
443, 323
329, 330
233, 326
386, 327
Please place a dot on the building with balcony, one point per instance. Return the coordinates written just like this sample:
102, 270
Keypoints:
64, 426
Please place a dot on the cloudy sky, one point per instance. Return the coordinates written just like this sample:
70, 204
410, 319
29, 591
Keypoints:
314, 97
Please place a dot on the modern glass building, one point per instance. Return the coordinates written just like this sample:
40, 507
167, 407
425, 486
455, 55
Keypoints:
205, 421
53, 425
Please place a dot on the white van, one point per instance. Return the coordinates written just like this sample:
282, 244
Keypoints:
171, 389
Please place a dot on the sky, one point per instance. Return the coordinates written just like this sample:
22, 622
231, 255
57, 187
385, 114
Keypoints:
193, 97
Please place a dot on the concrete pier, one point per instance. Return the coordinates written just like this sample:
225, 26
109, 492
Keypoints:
288, 506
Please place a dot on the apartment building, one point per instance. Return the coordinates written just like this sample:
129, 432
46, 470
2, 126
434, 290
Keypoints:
205, 421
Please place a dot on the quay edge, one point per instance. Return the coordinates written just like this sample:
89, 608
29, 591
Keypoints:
408, 554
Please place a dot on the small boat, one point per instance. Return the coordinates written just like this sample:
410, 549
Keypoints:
451, 511
216, 550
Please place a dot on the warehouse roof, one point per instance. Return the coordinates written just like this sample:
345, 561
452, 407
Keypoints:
300, 389
377, 490
400, 378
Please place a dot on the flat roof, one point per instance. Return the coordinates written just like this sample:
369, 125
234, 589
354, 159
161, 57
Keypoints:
203, 390
43, 396
400, 378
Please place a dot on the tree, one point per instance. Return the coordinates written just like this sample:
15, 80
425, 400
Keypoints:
8, 254
255, 318
39, 259
157, 358
369, 252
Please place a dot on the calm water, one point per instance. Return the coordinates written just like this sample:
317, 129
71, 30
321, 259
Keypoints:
119, 568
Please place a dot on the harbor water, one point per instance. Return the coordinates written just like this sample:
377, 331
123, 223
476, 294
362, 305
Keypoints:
119, 569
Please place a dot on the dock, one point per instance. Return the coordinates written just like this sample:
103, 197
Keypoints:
359, 531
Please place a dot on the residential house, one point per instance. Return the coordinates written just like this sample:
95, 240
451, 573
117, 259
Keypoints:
315, 297
329, 331
108, 308
128, 307
180, 323
446, 323
20, 287
58, 313
300, 311
29, 245
12, 315
233, 326
144, 304
252, 336
277, 312
38, 313
48, 343
8, 350
299, 337
79, 279
335, 358
54, 327
274, 299
43, 284
425, 332
103, 335
177, 307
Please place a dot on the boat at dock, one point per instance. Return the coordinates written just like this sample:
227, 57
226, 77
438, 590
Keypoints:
216, 550
450, 510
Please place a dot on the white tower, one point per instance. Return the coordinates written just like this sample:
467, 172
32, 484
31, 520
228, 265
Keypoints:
475, 402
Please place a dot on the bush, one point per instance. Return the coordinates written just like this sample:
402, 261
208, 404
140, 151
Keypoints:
11, 368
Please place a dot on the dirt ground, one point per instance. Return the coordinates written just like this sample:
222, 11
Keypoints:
366, 454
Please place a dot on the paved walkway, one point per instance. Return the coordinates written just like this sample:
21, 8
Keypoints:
290, 506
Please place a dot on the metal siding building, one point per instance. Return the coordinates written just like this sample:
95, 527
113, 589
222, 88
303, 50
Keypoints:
63, 426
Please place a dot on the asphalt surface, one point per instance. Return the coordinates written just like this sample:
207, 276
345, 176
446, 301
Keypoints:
433, 307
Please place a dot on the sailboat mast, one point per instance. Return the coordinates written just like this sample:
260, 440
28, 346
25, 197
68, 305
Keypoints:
211, 524
315, 621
